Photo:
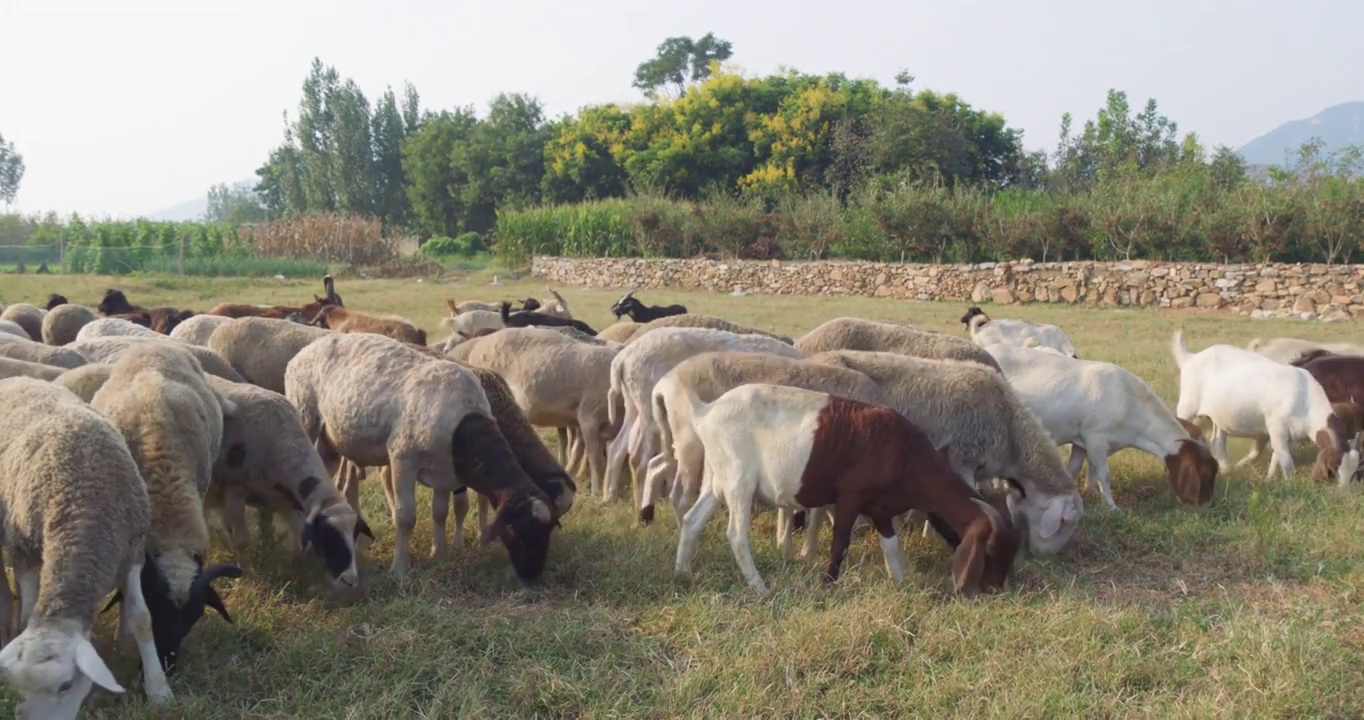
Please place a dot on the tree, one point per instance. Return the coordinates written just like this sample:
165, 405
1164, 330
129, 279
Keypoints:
234, 205
1227, 169
433, 181
679, 60
11, 171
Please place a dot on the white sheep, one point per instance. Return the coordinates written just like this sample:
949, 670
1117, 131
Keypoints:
158, 398
378, 402
198, 329
109, 349
114, 327
634, 372
1245, 394
1099, 408
17, 348
9, 327
985, 331
63, 323
260, 348
74, 514
29, 317
847, 333
22, 368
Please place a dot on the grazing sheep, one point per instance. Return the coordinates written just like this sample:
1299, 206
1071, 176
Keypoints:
708, 376
635, 371
266, 461
534, 319
260, 348
983, 429
692, 321
619, 332
158, 398
198, 329
9, 327
305, 313
108, 350
1246, 394
17, 348
74, 514
557, 381
114, 327
629, 305
794, 449
985, 331
340, 319
63, 323
1099, 408
378, 403
1286, 350
54, 300
21, 368
848, 333
29, 317
84, 381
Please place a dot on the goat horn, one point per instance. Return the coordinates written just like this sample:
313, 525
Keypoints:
628, 293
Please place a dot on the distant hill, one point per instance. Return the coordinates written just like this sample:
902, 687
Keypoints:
188, 210
1337, 126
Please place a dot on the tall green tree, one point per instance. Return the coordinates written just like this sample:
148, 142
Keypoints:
434, 183
679, 60
11, 171
234, 204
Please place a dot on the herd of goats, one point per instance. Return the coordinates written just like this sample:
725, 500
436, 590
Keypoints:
121, 426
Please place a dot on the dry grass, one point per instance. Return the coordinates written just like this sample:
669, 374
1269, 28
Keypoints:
1250, 607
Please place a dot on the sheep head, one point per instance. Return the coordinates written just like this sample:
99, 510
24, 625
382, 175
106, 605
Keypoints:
1049, 520
54, 666
171, 622
524, 524
984, 559
331, 534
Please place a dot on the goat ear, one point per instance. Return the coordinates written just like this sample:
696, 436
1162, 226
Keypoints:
968, 562
90, 663
1051, 520
1192, 428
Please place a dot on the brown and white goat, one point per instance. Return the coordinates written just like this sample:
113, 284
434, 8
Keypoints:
797, 449
1342, 377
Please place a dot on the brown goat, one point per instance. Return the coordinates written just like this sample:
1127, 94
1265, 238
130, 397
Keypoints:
160, 319
1342, 377
796, 449
340, 319
309, 310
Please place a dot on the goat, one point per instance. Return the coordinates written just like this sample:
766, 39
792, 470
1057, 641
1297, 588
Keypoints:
628, 304
797, 449
1246, 394
340, 319
985, 331
531, 319
1342, 377
307, 311
160, 319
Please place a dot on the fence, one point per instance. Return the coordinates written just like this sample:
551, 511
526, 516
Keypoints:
175, 258
31, 257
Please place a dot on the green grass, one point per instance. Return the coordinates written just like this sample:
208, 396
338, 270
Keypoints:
1249, 607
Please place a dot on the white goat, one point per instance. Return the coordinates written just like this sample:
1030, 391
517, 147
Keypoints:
1246, 394
985, 331
1099, 408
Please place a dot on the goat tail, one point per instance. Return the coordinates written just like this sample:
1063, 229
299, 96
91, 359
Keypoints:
1180, 352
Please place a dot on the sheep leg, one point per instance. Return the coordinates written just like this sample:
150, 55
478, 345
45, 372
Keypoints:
440, 512
655, 475
690, 531
845, 517
577, 454
404, 514
139, 617
690, 456
890, 547
740, 515
638, 460
615, 456
596, 450
27, 581
234, 519
563, 444
485, 507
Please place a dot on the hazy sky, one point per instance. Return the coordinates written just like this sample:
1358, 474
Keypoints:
123, 107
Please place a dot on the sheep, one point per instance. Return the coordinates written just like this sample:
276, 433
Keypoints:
17, 348
635, 371
985, 331
847, 333
1246, 394
619, 332
306, 312
114, 327
84, 381
629, 305
340, 319
1099, 408
532, 319
1286, 350
708, 376
172, 420
267, 461
54, 300
260, 348
74, 514
109, 349
21, 368
693, 321
983, 429
380, 403
468, 324
198, 329
64, 322
9, 327
557, 381
27, 316
794, 449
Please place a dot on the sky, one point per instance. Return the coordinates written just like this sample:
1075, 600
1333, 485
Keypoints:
123, 107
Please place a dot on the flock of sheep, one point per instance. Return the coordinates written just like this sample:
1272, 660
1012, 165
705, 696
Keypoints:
121, 426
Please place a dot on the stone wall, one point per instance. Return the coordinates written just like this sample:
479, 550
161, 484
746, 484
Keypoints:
1329, 292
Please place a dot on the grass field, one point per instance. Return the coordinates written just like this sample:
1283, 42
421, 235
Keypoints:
1250, 607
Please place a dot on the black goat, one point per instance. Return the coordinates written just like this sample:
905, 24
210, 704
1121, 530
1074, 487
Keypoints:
527, 318
55, 299
628, 304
